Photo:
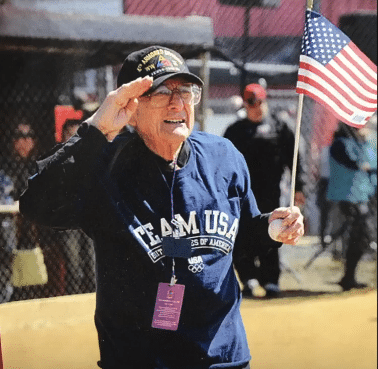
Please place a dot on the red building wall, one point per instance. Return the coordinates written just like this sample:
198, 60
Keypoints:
287, 20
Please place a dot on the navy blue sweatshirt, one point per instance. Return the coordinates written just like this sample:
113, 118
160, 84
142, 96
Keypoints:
117, 193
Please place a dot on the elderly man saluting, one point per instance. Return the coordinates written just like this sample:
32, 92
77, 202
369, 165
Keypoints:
164, 207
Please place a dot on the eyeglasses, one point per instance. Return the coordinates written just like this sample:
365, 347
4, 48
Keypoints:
189, 93
254, 102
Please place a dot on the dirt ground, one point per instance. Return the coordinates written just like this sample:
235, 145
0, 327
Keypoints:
313, 326
327, 332
323, 273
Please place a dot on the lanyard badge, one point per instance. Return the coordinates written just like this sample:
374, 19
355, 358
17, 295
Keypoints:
168, 306
170, 296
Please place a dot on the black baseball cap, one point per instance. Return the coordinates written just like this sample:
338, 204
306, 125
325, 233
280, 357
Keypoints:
158, 62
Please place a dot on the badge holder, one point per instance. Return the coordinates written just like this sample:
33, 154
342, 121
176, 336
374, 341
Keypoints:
168, 304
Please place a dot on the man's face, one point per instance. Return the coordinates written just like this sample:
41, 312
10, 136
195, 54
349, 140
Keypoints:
258, 111
23, 146
168, 125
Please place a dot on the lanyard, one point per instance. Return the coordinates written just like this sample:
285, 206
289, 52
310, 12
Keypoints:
173, 220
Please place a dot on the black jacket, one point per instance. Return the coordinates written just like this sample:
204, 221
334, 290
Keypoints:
268, 149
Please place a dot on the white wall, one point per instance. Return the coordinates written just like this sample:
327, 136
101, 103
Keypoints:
99, 7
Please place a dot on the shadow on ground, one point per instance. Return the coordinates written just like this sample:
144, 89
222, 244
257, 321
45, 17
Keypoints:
288, 294
300, 294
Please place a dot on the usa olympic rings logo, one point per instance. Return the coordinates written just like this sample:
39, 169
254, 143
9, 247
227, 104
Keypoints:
196, 268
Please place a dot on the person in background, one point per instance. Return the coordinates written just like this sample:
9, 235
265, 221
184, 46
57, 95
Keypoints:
20, 166
18, 233
267, 144
7, 238
22, 160
323, 203
331, 218
353, 186
163, 205
79, 251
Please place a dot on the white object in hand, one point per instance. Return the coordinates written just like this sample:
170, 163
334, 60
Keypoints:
275, 228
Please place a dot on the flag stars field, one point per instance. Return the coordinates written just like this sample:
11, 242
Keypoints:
334, 72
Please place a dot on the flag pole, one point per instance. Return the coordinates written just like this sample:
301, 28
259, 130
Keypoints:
296, 149
310, 4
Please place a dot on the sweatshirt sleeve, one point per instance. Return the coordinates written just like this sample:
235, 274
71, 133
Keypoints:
57, 192
252, 240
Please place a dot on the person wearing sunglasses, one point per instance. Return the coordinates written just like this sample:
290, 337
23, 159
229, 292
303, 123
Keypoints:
163, 205
267, 144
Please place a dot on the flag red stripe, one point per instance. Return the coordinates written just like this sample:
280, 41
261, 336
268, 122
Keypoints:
324, 103
362, 56
326, 92
334, 71
353, 75
358, 66
337, 87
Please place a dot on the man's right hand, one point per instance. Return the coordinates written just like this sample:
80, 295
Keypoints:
118, 107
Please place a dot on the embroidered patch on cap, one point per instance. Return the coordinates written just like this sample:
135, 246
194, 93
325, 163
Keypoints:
160, 61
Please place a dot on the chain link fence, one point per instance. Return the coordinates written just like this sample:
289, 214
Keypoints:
40, 91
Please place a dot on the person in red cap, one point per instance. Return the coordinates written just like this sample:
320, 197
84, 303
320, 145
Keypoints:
254, 97
267, 143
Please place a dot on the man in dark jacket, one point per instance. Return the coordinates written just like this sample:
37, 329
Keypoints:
163, 206
267, 144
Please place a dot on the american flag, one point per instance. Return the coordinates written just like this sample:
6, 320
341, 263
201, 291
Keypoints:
334, 72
